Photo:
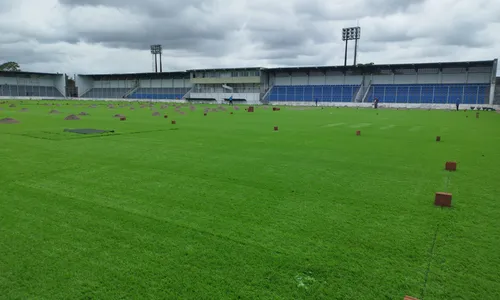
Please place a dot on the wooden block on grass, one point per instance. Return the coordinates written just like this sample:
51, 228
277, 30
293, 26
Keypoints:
122, 118
173, 122
165, 116
450, 166
275, 128
358, 132
438, 139
443, 199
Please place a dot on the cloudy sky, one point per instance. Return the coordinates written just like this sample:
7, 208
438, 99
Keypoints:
103, 36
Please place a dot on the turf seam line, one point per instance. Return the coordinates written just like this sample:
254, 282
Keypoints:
431, 254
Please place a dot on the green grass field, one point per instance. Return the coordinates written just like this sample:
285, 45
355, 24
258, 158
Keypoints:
223, 207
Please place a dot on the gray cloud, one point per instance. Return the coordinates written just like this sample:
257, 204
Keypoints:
153, 8
29, 54
353, 9
114, 35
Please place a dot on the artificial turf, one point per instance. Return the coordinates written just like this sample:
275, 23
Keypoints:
224, 207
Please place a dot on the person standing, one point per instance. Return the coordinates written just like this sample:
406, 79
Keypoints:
458, 104
316, 100
375, 103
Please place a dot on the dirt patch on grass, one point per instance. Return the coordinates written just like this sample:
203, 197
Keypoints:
119, 116
83, 114
156, 114
8, 121
71, 117
54, 111
24, 109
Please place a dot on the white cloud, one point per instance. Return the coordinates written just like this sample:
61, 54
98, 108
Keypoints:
111, 36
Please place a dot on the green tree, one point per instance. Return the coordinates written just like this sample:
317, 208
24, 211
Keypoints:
10, 66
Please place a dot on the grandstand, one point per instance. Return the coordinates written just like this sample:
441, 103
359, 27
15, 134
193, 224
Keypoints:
242, 84
397, 84
429, 83
30, 84
169, 85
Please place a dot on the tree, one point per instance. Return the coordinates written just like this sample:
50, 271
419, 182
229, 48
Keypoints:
10, 66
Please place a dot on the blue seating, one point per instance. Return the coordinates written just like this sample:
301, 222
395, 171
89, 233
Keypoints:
323, 93
430, 93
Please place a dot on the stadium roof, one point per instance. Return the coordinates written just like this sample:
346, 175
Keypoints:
358, 68
151, 75
368, 67
226, 69
23, 73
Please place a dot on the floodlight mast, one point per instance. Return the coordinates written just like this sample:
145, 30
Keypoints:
349, 34
155, 51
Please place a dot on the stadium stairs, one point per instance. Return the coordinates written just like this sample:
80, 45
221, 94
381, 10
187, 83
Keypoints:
136, 86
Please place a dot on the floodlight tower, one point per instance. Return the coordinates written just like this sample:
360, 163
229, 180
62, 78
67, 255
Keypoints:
155, 51
349, 34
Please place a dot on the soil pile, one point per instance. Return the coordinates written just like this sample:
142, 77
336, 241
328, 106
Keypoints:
71, 117
8, 121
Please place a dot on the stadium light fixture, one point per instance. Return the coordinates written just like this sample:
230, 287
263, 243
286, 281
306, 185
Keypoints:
155, 51
349, 34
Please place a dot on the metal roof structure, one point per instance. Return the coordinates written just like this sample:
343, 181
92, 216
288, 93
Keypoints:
227, 69
379, 67
23, 73
360, 68
150, 75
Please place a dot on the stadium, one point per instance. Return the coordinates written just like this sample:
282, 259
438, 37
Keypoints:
399, 85
252, 183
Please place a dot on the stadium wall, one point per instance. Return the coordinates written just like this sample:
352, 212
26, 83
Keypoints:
84, 84
112, 84
165, 83
60, 83
314, 78
494, 83
293, 104
251, 98
26, 84
55, 80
